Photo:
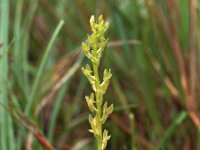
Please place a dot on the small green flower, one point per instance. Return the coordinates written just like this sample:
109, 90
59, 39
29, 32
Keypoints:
93, 48
105, 139
90, 102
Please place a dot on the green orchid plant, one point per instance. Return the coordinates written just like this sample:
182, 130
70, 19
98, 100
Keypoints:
93, 48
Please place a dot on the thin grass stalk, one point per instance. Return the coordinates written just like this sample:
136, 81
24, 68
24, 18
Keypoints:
36, 84
6, 128
21, 34
192, 49
25, 44
17, 43
191, 104
172, 129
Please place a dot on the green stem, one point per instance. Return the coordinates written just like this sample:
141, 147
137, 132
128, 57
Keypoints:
99, 127
99, 107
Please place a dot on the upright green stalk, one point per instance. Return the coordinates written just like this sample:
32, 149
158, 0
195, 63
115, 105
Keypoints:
6, 127
93, 48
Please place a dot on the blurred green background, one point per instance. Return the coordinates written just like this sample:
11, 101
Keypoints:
153, 52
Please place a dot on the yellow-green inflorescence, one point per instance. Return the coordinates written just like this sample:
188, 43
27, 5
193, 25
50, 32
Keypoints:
93, 48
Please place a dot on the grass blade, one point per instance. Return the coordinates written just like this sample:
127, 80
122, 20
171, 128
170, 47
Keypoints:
172, 129
6, 128
42, 67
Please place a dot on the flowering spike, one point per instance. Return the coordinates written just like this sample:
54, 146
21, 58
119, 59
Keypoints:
93, 48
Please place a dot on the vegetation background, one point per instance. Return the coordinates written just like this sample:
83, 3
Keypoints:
153, 52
